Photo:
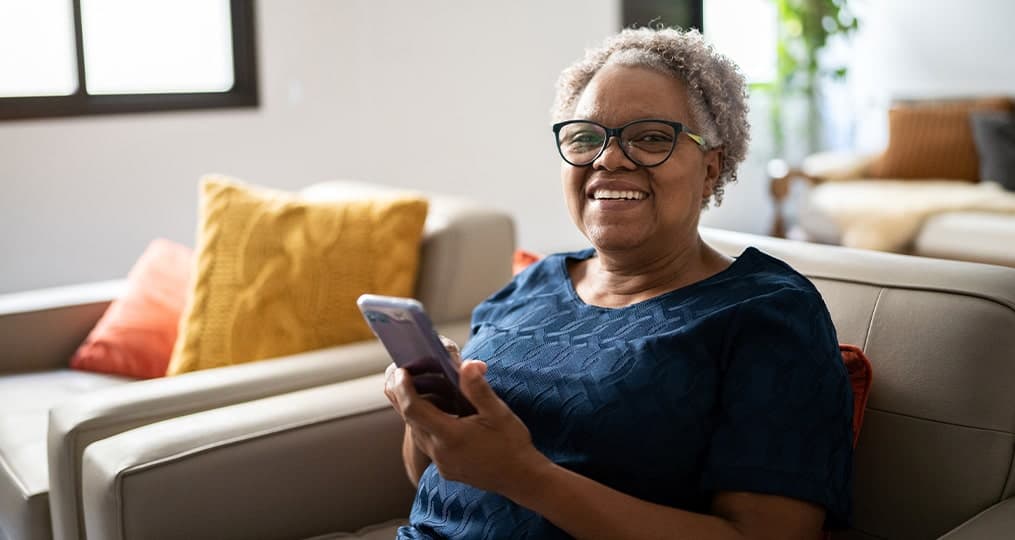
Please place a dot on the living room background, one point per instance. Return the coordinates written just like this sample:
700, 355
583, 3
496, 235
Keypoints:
83, 196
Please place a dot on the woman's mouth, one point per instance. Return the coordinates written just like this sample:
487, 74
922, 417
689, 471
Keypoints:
616, 195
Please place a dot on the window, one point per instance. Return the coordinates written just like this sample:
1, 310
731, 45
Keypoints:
744, 30
76, 57
679, 13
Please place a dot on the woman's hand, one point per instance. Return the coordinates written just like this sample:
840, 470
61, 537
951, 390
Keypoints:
413, 458
491, 450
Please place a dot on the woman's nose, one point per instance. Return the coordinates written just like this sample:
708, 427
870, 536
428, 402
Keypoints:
613, 157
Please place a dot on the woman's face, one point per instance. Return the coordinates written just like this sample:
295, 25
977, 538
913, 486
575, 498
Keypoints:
664, 213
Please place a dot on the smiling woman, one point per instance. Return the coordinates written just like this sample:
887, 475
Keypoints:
650, 386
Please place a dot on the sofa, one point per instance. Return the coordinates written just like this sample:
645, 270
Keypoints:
933, 460
51, 415
842, 204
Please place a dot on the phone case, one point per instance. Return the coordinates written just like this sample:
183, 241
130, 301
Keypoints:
402, 325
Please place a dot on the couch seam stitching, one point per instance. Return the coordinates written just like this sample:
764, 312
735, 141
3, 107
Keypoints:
870, 320
955, 424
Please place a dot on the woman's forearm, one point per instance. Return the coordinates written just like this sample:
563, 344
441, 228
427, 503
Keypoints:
415, 460
585, 508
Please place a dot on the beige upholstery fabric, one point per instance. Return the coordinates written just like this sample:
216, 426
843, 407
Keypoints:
42, 329
935, 451
466, 255
25, 400
290, 466
998, 521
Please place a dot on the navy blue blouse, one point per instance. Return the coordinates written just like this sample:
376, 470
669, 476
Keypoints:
734, 383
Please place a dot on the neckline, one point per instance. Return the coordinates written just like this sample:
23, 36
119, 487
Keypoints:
741, 261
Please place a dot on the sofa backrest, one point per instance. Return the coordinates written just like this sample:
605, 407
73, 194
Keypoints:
938, 437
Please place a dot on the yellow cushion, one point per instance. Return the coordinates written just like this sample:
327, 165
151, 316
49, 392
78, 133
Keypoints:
278, 275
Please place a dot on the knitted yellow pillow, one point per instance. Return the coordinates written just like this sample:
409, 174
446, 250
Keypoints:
278, 275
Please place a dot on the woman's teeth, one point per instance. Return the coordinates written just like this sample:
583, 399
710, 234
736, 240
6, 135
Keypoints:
611, 194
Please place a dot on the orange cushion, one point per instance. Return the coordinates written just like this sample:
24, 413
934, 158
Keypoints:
860, 377
933, 140
135, 336
522, 259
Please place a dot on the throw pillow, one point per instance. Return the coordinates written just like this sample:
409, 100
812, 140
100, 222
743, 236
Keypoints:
522, 259
278, 274
135, 335
994, 134
933, 140
861, 375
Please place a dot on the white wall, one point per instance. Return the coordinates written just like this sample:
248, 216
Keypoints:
81, 197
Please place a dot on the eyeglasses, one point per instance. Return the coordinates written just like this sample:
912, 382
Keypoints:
645, 142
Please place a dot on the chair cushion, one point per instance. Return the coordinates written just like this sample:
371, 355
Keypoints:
25, 401
278, 274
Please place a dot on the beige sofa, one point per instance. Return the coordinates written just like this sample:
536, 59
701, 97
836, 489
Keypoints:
947, 219
934, 457
50, 415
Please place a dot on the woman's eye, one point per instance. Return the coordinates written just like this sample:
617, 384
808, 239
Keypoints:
652, 137
586, 138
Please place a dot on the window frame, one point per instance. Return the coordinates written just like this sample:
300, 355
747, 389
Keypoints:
244, 92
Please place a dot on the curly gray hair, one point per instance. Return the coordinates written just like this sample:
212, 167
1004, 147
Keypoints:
716, 88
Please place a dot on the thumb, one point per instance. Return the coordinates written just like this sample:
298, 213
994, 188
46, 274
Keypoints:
477, 390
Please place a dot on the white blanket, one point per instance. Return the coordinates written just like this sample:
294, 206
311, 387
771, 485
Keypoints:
887, 214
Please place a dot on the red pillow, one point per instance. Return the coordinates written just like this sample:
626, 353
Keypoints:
860, 376
136, 334
522, 259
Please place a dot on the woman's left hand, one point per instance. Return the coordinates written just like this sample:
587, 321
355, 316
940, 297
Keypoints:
490, 450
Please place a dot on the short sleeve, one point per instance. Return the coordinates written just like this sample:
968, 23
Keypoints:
784, 418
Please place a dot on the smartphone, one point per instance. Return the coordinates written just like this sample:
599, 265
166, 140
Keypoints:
405, 330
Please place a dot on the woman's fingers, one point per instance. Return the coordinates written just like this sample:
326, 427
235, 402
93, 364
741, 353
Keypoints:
452, 349
478, 391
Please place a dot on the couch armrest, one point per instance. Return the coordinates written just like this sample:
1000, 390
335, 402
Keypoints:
315, 461
41, 329
998, 521
80, 422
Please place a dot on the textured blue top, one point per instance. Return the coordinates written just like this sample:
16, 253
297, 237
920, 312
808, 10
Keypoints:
734, 383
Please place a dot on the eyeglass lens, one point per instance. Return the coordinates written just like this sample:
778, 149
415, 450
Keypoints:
646, 143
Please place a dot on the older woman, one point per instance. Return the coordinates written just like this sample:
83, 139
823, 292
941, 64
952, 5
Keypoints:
649, 387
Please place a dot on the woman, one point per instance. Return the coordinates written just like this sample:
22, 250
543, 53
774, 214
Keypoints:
649, 387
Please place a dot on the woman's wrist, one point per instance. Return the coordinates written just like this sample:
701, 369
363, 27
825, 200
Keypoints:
529, 482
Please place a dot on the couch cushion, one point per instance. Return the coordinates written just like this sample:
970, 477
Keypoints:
25, 400
135, 336
278, 274
970, 236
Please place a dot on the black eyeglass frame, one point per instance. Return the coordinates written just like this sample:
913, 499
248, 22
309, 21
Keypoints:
678, 128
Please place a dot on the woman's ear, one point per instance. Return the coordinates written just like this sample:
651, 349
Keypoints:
713, 169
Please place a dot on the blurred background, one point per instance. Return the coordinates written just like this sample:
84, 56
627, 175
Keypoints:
94, 165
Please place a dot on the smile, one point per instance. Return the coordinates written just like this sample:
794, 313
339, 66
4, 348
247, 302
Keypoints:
609, 194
